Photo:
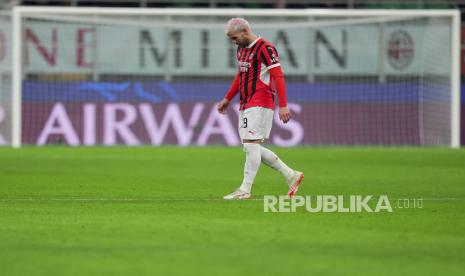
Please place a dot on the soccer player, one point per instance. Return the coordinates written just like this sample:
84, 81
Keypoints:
259, 72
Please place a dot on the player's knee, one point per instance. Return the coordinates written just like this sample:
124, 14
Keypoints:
250, 146
252, 152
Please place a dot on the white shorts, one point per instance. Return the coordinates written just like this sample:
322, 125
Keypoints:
255, 123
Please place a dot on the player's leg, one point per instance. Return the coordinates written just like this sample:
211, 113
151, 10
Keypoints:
293, 178
270, 159
251, 166
252, 163
252, 135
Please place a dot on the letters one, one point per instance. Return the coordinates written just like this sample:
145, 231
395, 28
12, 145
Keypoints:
135, 124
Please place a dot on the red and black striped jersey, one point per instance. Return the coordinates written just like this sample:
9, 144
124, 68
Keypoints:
255, 84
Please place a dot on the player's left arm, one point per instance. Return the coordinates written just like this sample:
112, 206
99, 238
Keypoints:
269, 56
278, 77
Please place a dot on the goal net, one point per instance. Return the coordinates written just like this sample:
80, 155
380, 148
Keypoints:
151, 76
5, 78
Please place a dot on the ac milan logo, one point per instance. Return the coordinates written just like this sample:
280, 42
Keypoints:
400, 49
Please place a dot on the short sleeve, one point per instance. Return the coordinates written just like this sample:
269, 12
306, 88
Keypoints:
269, 56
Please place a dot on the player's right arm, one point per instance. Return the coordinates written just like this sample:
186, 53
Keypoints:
233, 90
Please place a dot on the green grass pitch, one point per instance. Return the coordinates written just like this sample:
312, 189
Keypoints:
157, 211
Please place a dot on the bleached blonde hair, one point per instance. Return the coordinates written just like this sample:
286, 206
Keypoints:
237, 24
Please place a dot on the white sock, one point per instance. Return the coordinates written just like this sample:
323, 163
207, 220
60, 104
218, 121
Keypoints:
270, 159
252, 163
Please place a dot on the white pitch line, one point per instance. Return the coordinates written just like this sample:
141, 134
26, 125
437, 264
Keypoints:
182, 199
114, 199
